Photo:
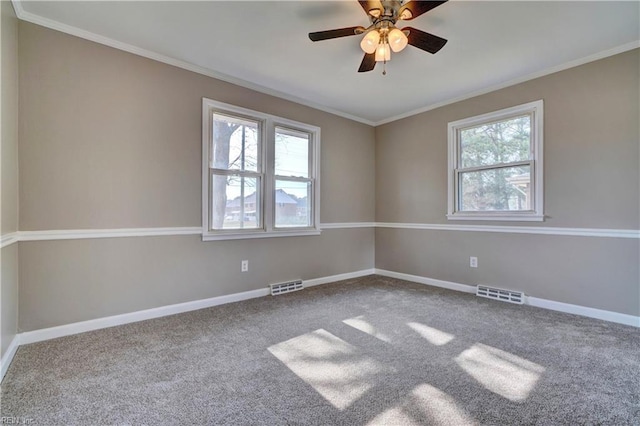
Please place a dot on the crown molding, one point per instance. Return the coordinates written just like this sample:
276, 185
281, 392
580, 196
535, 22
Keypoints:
87, 35
97, 38
551, 70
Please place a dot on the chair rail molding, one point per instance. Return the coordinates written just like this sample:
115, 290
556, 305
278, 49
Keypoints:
75, 234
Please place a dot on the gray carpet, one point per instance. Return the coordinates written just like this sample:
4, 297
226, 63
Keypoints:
372, 350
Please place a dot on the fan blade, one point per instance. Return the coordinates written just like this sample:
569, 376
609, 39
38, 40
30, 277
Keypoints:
425, 41
340, 32
415, 8
372, 7
368, 62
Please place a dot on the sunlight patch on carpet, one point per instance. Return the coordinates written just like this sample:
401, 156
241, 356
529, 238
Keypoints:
424, 405
501, 372
432, 335
336, 369
360, 323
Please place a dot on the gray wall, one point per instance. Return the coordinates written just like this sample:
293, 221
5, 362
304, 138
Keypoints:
113, 140
67, 281
592, 180
9, 173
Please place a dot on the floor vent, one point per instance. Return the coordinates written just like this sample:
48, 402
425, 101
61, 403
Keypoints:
287, 287
500, 294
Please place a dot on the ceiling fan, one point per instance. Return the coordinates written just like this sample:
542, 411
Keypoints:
382, 36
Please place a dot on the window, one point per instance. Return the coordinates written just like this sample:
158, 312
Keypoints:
495, 165
259, 175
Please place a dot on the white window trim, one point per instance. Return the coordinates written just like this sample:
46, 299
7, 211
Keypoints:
537, 213
269, 123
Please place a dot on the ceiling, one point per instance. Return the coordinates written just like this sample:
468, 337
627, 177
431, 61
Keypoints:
264, 45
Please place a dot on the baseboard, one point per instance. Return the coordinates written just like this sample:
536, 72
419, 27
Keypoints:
96, 324
8, 356
112, 321
339, 277
584, 311
428, 281
532, 301
99, 323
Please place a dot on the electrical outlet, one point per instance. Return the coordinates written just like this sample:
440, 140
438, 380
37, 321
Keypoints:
244, 266
473, 262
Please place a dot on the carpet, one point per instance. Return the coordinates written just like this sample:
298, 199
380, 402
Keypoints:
372, 350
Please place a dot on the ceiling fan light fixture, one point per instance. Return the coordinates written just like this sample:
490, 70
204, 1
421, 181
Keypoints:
397, 40
406, 15
382, 36
383, 53
370, 42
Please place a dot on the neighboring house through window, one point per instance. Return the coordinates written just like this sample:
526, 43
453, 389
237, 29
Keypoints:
260, 174
495, 165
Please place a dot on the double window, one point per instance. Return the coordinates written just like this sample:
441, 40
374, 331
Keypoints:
495, 165
260, 174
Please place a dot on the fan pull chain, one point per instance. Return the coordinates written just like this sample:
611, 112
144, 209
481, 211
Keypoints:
384, 68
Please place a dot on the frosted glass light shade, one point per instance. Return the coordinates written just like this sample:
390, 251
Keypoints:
370, 42
397, 40
383, 53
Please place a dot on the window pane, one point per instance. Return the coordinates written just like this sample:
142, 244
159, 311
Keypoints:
504, 189
235, 202
235, 143
292, 153
506, 141
292, 203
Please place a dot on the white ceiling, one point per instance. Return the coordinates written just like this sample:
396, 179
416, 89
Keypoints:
264, 45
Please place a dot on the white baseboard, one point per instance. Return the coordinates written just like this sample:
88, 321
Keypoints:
8, 356
339, 277
96, 324
584, 311
532, 301
428, 281
99, 323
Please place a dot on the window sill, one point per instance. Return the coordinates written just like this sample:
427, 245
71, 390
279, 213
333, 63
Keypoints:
496, 217
259, 234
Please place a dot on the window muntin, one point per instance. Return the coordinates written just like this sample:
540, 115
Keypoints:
495, 165
260, 177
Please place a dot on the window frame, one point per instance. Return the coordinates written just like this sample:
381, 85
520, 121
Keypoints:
536, 213
265, 170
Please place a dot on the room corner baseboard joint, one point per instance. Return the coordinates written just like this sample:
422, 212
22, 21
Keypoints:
8, 356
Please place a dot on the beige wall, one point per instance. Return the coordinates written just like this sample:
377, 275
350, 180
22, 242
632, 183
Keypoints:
9, 119
9, 173
592, 180
600, 273
113, 140
67, 281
